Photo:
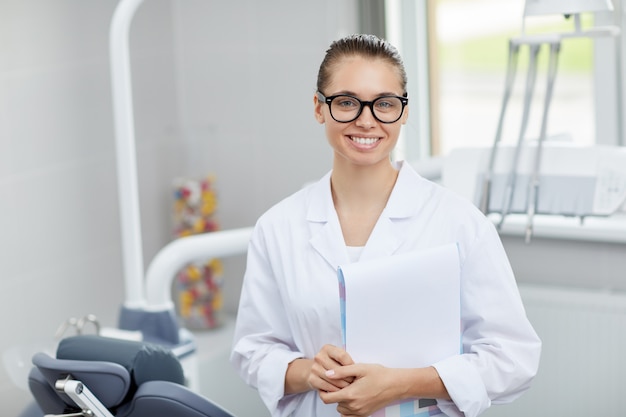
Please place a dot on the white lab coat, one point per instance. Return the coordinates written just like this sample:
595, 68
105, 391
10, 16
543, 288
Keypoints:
289, 305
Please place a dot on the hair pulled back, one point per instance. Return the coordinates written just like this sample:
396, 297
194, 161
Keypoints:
366, 46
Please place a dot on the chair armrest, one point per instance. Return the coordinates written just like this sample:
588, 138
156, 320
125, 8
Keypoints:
110, 382
164, 398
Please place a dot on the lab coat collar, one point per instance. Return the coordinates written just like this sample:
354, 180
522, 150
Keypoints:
326, 235
387, 235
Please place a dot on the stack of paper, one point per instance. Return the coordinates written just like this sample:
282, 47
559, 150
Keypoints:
403, 311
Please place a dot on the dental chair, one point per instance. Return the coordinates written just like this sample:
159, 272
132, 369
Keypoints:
95, 376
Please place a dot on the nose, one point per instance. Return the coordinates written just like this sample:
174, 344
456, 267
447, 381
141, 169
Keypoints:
366, 118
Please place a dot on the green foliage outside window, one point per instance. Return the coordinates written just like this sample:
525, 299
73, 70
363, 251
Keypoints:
489, 53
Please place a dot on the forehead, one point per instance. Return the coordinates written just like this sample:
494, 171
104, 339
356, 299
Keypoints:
364, 76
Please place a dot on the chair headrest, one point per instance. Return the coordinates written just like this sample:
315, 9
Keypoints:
111, 368
144, 361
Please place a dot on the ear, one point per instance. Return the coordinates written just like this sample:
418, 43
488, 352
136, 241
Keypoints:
318, 109
405, 115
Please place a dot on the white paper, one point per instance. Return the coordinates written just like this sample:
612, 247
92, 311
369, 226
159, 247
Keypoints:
404, 310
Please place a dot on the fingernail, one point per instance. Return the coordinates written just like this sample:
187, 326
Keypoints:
330, 372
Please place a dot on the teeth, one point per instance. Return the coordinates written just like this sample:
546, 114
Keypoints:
364, 141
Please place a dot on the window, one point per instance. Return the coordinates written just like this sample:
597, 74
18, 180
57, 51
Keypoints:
465, 45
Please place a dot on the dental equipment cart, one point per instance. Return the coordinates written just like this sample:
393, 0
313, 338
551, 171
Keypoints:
500, 193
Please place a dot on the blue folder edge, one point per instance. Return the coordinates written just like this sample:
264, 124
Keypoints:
342, 304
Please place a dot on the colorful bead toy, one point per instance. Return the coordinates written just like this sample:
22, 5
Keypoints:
198, 286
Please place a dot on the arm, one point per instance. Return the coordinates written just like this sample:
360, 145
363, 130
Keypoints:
265, 352
500, 348
263, 345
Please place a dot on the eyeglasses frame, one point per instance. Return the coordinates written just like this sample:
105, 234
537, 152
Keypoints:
328, 100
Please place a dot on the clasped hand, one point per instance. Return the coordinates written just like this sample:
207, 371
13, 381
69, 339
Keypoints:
357, 389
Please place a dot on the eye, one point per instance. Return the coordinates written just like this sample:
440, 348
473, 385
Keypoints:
387, 103
345, 102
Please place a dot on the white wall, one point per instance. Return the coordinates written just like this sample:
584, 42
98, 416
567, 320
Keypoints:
573, 291
220, 87
246, 75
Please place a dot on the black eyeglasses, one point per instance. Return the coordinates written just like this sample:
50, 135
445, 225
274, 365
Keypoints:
345, 108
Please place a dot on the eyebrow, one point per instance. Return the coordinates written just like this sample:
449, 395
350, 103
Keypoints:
352, 93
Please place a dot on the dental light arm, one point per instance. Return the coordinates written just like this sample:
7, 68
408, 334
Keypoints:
148, 308
180, 252
125, 151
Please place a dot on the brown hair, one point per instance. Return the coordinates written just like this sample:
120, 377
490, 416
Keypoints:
367, 46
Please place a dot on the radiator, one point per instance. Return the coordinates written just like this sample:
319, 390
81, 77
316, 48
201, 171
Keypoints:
583, 362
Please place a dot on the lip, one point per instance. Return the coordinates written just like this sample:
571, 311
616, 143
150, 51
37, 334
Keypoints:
364, 141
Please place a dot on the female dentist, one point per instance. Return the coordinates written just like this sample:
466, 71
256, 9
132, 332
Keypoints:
288, 331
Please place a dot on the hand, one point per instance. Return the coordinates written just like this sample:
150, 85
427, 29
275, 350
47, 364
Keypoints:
329, 357
371, 389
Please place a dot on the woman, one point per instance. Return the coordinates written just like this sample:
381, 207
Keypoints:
288, 332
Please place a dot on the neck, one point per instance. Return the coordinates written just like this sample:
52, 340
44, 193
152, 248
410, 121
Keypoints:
362, 188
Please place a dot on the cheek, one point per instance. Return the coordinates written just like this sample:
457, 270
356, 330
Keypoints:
394, 132
334, 131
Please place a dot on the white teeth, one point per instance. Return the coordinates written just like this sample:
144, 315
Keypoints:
364, 141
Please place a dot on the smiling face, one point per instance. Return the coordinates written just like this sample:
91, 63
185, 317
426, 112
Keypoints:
364, 141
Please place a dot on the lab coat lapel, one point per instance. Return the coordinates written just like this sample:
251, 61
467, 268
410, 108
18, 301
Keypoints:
326, 236
384, 239
389, 232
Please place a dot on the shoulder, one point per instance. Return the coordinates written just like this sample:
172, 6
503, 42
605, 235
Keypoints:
298, 206
441, 214
425, 195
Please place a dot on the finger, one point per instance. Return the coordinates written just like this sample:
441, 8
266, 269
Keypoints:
341, 383
346, 411
326, 386
319, 380
348, 373
330, 356
330, 397
339, 355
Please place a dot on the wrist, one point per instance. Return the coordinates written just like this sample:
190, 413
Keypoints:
421, 383
297, 376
